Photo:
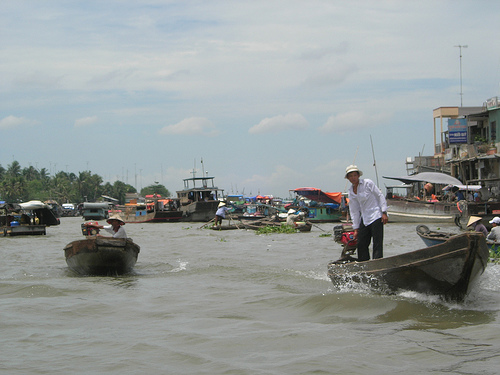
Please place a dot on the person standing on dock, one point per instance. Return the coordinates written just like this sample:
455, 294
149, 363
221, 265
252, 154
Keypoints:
368, 210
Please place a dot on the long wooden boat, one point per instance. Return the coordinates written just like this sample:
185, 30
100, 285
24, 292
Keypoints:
153, 210
226, 227
257, 224
432, 237
101, 255
447, 269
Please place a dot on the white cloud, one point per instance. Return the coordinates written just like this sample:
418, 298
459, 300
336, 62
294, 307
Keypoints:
291, 121
274, 182
86, 121
331, 76
352, 121
192, 126
14, 122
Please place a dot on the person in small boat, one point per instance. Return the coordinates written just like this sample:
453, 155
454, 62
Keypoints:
221, 213
294, 218
494, 234
475, 223
368, 210
115, 226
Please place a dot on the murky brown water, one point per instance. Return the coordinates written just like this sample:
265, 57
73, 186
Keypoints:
231, 302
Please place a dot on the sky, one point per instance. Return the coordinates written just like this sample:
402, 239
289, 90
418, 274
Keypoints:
271, 95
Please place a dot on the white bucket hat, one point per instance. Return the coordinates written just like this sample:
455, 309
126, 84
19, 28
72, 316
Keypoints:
352, 168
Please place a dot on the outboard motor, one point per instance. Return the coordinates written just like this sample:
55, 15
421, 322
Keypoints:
90, 229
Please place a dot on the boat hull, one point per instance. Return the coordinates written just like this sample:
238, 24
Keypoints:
24, 230
405, 211
256, 225
150, 217
201, 211
101, 256
447, 269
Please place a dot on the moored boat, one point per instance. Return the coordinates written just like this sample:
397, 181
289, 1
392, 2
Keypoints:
199, 198
101, 255
447, 269
321, 207
29, 218
96, 210
152, 208
412, 208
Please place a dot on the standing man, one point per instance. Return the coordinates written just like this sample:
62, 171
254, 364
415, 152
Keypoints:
368, 210
221, 213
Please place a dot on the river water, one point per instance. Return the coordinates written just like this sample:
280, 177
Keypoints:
231, 302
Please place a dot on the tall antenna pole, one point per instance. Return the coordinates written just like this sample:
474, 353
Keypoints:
374, 162
461, 93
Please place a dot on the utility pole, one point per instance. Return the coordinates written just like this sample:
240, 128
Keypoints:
461, 93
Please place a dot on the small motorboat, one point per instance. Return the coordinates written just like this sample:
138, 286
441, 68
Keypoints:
101, 255
447, 269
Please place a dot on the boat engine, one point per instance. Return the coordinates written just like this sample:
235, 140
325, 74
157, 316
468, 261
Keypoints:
90, 229
344, 235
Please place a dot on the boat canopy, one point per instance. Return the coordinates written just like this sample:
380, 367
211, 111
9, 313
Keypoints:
318, 195
33, 205
464, 187
432, 177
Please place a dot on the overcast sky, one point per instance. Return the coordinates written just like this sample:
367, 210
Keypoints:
272, 95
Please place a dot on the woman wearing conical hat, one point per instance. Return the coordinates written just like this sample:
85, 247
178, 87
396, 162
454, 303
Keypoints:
475, 223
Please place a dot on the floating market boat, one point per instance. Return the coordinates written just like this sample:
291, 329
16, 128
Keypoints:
413, 209
199, 199
154, 209
321, 207
101, 255
29, 218
447, 269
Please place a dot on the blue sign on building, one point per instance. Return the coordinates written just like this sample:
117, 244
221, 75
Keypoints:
457, 130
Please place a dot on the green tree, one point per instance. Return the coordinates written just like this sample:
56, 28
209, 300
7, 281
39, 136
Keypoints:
14, 169
155, 189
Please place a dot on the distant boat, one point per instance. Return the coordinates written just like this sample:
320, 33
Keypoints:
69, 209
154, 209
101, 255
322, 207
29, 218
96, 210
447, 269
199, 199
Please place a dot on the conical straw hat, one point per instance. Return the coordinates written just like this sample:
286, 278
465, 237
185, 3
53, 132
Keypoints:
473, 219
